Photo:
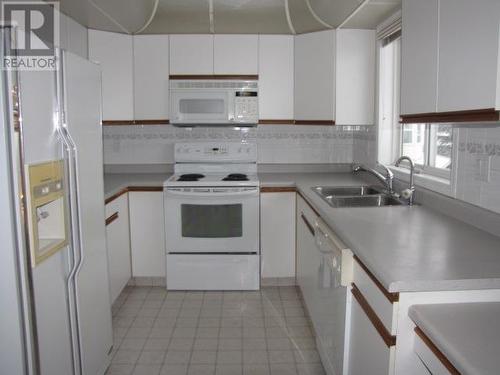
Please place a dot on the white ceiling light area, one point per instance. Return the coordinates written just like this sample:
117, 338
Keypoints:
228, 16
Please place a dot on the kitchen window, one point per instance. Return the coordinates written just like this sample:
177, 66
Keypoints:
428, 145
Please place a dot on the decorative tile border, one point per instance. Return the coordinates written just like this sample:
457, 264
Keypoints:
479, 148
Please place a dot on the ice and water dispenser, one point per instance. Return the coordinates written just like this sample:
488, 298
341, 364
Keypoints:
48, 227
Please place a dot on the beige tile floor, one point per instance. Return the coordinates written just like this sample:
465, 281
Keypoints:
215, 333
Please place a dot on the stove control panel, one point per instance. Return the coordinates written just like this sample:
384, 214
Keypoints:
211, 152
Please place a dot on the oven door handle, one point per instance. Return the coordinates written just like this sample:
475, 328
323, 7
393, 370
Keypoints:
221, 194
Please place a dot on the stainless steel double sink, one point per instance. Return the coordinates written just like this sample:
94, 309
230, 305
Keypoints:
356, 196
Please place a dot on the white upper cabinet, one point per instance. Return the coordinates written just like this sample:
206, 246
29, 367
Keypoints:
276, 77
469, 63
151, 77
113, 52
355, 77
419, 56
450, 56
236, 54
192, 54
315, 76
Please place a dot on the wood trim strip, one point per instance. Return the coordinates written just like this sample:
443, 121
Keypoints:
278, 189
276, 122
112, 218
145, 188
389, 339
309, 204
261, 122
243, 77
152, 122
116, 195
438, 353
132, 188
392, 297
134, 122
315, 122
117, 122
476, 115
308, 224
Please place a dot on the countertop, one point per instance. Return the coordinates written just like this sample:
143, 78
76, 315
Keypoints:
466, 333
408, 249
116, 182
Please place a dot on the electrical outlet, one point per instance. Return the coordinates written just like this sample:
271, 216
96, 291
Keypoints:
483, 164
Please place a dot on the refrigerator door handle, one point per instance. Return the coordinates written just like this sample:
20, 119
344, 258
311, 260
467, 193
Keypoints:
76, 191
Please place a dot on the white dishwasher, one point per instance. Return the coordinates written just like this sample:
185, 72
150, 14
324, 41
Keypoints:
332, 300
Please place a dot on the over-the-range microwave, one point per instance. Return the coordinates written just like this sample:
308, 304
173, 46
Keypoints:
214, 102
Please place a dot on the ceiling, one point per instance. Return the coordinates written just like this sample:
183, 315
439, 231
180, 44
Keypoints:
228, 16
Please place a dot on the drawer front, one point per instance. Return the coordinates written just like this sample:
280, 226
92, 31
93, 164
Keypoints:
381, 302
304, 208
117, 205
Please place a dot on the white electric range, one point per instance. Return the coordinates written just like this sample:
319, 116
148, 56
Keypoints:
212, 217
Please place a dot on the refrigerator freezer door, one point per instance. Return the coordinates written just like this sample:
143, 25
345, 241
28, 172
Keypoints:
82, 90
38, 107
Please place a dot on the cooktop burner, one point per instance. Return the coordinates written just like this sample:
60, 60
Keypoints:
190, 177
235, 177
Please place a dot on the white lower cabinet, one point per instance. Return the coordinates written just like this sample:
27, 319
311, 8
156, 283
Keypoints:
118, 245
368, 352
147, 234
277, 231
307, 265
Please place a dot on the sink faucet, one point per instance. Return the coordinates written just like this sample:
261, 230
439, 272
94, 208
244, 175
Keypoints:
386, 180
411, 191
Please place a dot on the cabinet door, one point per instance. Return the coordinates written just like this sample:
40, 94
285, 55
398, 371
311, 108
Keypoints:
368, 352
235, 54
468, 54
118, 245
192, 54
113, 51
277, 230
419, 56
147, 234
355, 77
151, 77
315, 76
276, 77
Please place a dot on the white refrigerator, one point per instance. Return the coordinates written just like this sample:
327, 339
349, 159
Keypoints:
54, 293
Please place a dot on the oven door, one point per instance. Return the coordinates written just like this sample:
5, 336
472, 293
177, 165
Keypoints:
212, 220
201, 106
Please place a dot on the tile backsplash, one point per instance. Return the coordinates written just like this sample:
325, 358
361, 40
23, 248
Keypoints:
277, 144
478, 172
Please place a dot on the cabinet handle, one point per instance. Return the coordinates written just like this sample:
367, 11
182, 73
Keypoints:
308, 225
389, 339
392, 297
438, 353
112, 218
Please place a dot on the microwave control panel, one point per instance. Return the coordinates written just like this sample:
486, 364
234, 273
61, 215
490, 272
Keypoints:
246, 104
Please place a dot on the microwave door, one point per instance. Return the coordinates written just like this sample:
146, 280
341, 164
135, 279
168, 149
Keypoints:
200, 107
